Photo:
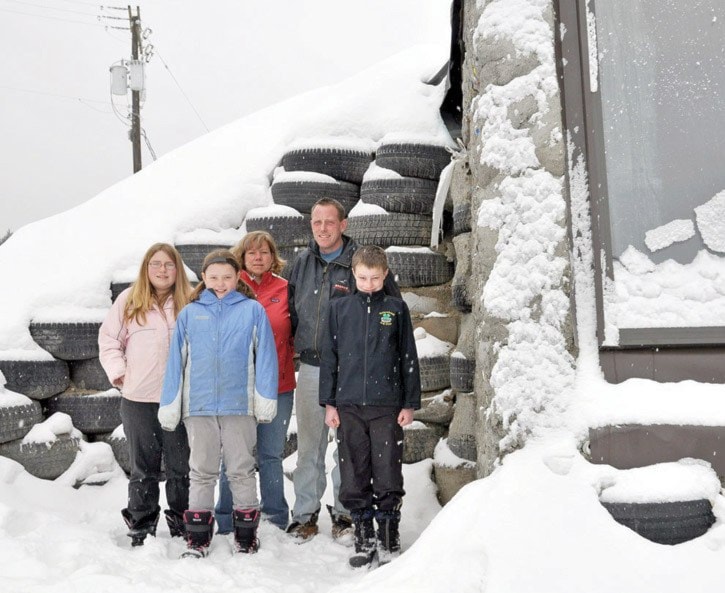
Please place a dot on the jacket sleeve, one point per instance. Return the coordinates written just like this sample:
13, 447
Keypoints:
328, 361
112, 342
291, 284
172, 393
265, 370
409, 366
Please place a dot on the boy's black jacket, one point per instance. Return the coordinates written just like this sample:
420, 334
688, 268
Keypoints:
369, 355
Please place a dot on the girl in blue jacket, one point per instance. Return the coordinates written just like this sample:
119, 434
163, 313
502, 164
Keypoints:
221, 379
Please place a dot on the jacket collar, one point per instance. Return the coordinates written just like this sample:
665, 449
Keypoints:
249, 281
345, 258
207, 297
375, 296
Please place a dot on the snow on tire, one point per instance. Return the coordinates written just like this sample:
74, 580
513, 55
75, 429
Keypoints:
67, 341
340, 163
664, 522
435, 372
413, 159
302, 195
46, 460
119, 446
421, 267
37, 379
404, 194
89, 374
17, 418
386, 230
193, 255
92, 413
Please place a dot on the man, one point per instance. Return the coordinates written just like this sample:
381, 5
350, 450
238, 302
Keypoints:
322, 272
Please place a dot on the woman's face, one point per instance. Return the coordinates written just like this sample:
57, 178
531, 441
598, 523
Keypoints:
258, 259
221, 279
162, 272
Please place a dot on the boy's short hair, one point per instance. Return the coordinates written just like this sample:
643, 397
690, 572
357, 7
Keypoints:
370, 256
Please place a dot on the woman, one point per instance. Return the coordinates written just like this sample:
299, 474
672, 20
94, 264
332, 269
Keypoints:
134, 346
260, 260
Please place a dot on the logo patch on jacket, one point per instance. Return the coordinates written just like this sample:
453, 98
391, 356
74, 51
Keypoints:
341, 287
386, 317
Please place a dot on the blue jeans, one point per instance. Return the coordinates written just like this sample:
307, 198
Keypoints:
271, 439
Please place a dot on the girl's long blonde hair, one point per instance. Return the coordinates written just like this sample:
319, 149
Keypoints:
222, 256
141, 300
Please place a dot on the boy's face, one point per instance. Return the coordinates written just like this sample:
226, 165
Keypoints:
369, 280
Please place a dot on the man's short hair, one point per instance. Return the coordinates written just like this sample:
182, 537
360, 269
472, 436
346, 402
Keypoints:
341, 214
370, 256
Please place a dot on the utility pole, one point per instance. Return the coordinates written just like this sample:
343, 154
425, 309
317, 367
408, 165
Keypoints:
135, 133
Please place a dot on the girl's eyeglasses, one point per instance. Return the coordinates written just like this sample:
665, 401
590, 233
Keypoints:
169, 265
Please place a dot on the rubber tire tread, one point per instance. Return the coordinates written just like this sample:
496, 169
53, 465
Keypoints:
91, 413
117, 288
36, 379
343, 164
285, 230
419, 269
413, 160
386, 230
193, 255
17, 420
460, 298
43, 460
419, 444
461, 219
435, 372
290, 255
67, 341
89, 374
120, 450
302, 195
462, 373
410, 195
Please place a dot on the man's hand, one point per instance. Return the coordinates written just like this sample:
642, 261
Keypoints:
405, 417
332, 418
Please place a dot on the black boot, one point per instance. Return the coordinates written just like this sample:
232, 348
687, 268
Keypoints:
138, 529
388, 535
199, 528
364, 538
175, 523
245, 530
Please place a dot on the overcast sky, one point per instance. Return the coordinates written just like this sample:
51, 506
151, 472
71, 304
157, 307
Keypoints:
62, 143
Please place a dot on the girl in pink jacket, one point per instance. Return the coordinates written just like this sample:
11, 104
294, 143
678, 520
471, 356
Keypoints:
134, 345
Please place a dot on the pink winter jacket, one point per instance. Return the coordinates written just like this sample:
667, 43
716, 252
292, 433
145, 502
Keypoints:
136, 353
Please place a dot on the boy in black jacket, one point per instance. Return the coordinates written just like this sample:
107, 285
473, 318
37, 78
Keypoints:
370, 385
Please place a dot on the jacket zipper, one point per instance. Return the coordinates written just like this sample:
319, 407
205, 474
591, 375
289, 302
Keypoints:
319, 308
218, 356
365, 357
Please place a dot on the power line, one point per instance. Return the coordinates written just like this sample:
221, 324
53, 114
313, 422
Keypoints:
55, 18
182, 90
51, 7
82, 99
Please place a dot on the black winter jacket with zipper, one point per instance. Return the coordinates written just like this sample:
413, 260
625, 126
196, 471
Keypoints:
369, 356
313, 284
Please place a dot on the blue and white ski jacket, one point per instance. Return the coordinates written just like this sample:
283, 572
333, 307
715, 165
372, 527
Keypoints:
222, 362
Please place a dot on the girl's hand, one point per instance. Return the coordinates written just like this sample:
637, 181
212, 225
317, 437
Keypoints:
405, 417
332, 418
118, 382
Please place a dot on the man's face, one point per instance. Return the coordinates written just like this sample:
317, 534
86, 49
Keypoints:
327, 228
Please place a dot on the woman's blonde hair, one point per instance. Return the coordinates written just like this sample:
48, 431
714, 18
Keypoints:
222, 256
256, 239
141, 299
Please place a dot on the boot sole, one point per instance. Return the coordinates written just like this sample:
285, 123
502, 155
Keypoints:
195, 553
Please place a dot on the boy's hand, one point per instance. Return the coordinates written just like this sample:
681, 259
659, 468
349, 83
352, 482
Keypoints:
405, 417
332, 418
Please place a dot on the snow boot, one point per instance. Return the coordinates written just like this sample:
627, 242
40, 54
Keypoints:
365, 547
388, 535
342, 527
199, 528
138, 529
245, 530
175, 523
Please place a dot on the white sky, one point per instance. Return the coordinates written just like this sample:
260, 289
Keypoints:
61, 143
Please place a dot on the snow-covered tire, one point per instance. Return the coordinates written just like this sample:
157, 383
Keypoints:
285, 230
119, 446
67, 341
89, 374
413, 160
664, 522
17, 420
193, 255
344, 164
386, 230
92, 413
412, 268
419, 442
407, 194
302, 195
37, 379
435, 372
462, 372
117, 288
43, 460
460, 298
461, 218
